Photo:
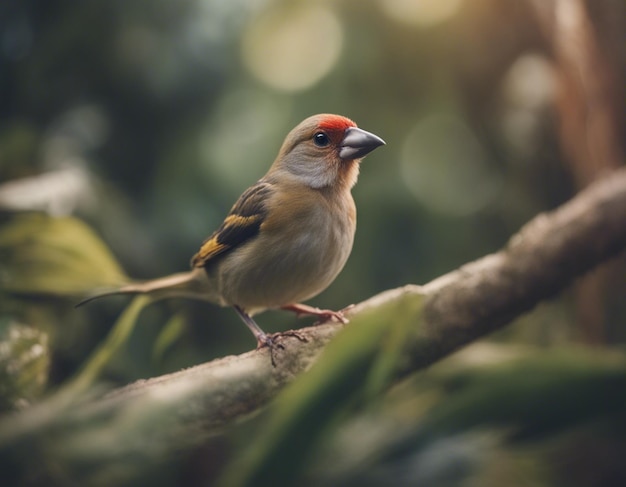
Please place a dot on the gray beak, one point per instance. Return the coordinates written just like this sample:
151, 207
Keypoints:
358, 143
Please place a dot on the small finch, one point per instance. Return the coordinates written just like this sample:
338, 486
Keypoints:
287, 237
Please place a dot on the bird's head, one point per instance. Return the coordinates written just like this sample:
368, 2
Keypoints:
324, 151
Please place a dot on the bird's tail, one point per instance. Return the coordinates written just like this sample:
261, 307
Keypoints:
193, 284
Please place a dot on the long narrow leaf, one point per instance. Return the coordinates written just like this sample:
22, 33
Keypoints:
356, 365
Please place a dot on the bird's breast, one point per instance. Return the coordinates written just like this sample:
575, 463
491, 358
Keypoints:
295, 256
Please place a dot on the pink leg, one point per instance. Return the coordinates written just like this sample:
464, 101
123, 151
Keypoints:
323, 314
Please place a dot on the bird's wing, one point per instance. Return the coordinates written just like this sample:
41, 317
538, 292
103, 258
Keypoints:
242, 223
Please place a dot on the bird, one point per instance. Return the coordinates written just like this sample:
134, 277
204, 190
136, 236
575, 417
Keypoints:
286, 238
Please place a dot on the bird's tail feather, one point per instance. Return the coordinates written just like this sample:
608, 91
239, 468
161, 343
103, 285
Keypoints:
192, 284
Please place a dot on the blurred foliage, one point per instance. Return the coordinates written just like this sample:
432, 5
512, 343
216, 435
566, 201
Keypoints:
356, 367
490, 415
100, 358
24, 364
147, 119
54, 256
463, 422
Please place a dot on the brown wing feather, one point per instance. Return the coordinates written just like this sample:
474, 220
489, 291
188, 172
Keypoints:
242, 223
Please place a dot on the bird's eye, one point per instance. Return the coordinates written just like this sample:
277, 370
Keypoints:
321, 139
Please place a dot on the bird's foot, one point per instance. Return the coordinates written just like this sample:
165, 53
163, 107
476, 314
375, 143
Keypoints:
324, 315
272, 341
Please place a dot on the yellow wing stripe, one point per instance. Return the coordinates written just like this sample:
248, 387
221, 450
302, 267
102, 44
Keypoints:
234, 230
209, 248
240, 221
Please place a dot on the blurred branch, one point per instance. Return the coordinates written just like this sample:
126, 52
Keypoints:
590, 104
590, 110
542, 259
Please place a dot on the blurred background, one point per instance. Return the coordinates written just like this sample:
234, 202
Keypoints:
128, 129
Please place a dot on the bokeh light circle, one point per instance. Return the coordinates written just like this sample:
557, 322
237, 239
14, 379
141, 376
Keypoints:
445, 167
420, 12
292, 49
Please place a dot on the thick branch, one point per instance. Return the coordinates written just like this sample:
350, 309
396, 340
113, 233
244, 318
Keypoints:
542, 259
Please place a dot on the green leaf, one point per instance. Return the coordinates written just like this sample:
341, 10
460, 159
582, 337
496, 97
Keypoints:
40, 254
116, 338
534, 395
172, 330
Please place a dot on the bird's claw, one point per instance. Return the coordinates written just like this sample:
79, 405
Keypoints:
327, 315
272, 342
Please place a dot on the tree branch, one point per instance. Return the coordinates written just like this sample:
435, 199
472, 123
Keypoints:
543, 258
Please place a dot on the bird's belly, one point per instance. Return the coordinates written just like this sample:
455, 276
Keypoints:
274, 273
